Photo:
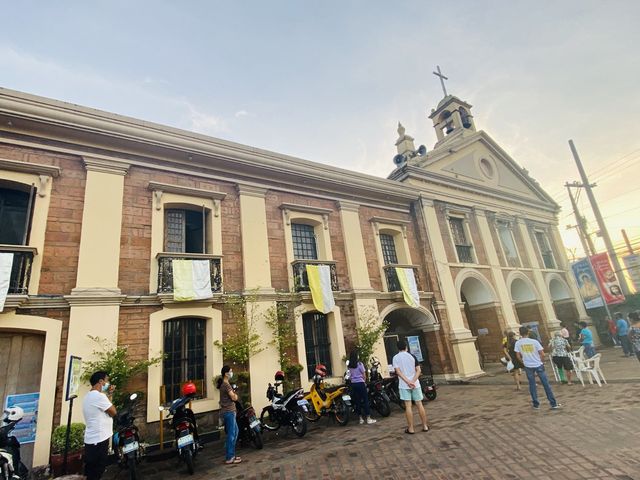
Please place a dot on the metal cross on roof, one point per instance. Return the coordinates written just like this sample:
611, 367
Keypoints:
442, 79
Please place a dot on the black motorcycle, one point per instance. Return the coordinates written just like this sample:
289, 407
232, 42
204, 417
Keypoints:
286, 409
248, 426
11, 468
186, 430
389, 384
126, 440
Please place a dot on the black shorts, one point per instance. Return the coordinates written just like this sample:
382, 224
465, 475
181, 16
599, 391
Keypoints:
563, 362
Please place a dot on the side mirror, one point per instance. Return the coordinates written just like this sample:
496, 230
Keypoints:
133, 396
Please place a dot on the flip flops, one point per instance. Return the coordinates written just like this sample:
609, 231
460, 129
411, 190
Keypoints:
406, 430
233, 461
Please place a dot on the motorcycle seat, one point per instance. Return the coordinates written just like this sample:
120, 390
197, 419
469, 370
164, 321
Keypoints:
333, 389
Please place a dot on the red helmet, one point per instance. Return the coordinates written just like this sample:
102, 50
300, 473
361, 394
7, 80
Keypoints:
279, 376
321, 370
188, 388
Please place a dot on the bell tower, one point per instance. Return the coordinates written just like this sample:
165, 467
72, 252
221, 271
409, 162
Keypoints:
452, 117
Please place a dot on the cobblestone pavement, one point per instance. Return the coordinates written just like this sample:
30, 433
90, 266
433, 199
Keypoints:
478, 431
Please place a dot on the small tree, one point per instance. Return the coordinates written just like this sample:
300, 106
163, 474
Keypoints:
243, 342
280, 319
369, 332
114, 359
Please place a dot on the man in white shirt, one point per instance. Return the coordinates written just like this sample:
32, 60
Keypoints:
408, 371
98, 418
531, 354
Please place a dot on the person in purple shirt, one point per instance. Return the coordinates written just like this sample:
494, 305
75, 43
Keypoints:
357, 374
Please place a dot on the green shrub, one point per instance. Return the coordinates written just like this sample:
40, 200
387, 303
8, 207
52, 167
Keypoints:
76, 438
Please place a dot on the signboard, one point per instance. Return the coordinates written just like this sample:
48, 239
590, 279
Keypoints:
483, 331
25, 430
586, 280
73, 377
609, 285
414, 347
632, 262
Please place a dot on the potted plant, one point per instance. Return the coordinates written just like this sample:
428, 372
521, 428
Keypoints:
76, 449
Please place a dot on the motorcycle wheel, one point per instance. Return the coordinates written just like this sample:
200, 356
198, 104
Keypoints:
188, 459
311, 414
131, 464
268, 419
299, 424
256, 438
340, 412
431, 395
381, 405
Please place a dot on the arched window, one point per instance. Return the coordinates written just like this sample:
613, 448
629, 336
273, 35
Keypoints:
184, 355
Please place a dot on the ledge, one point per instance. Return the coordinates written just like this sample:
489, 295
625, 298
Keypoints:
305, 208
190, 191
25, 167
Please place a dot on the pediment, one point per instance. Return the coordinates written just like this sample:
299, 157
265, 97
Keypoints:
479, 162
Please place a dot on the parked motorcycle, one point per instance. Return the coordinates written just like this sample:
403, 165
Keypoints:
11, 468
288, 409
327, 401
378, 398
389, 384
185, 426
248, 425
126, 440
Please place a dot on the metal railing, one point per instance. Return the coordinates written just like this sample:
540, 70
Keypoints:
301, 280
465, 254
165, 269
20, 268
393, 285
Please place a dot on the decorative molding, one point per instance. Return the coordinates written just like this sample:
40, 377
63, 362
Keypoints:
18, 248
14, 302
348, 206
113, 167
180, 190
24, 167
287, 208
390, 221
251, 190
44, 181
157, 195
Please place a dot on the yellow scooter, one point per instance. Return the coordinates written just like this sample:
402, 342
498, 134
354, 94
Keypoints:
327, 401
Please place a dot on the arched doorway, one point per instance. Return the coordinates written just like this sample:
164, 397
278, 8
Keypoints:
414, 325
563, 302
527, 306
482, 314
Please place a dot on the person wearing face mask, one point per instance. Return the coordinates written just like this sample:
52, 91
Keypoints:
98, 414
228, 398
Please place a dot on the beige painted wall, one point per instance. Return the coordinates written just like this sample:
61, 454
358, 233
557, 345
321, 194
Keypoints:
354, 247
255, 239
53, 330
265, 364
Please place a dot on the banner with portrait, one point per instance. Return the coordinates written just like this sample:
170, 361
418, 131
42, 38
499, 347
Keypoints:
609, 284
587, 284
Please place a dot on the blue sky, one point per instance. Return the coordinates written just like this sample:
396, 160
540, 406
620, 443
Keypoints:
328, 81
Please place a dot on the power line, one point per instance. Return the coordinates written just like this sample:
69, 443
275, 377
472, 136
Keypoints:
606, 166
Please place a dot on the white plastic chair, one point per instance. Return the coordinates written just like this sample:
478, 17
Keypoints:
596, 366
590, 367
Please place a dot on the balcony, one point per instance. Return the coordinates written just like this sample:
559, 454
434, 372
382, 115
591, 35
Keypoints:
547, 259
165, 270
393, 285
20, 269
465, 254
300, 279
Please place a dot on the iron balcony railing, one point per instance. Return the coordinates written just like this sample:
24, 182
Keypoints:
20, 268
301, 280
547, 258
393, 285
165, 269
465, 254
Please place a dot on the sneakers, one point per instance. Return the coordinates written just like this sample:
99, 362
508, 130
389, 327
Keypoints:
557, 406
361, 421
370, 421
536, 407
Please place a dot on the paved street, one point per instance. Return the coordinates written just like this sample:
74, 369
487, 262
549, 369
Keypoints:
479, 431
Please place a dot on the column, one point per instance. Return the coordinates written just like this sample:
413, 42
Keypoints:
462, 341
95, 301
504, 296
553, 324
354, 246
257, 280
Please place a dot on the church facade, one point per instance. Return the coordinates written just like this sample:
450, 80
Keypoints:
96, 207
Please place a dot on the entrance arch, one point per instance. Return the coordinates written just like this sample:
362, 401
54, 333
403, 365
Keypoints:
414, 325
563, 302
527, 305
482, 313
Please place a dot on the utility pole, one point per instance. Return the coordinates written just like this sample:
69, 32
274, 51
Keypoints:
587, 243
627, 242
601, 225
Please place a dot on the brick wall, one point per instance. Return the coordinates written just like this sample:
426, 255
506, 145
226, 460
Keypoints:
532, 312
490, 345
443, 223
64, 222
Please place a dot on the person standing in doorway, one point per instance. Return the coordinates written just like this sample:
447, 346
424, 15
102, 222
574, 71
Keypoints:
408, 371
98, 414
531, 354
586, 339
623, 334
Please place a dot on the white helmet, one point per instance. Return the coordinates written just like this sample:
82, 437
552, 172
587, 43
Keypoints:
13, 414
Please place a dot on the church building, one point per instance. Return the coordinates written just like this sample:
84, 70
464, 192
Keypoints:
100, 214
